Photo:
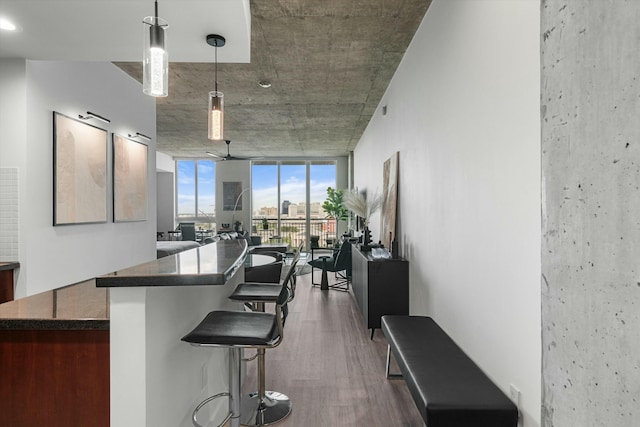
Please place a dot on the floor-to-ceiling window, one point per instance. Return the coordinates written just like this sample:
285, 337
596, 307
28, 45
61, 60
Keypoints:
321, 176
195, 188
287, 200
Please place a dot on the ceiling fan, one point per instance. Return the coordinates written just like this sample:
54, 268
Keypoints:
229, 156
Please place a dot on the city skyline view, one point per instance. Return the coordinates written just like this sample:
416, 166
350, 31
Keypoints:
198, 177
292, 184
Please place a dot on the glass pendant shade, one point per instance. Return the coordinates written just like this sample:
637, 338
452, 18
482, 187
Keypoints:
216, 115
155, 62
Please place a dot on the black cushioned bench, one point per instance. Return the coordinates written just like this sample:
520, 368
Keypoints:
448, 388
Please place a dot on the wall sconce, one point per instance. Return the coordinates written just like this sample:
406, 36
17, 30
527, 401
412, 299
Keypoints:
91, 115
215, 112
139, 135
155, 59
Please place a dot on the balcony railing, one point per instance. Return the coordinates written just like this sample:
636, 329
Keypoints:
294, 231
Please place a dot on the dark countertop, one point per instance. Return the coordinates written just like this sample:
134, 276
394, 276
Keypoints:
10, 265
211, 264
85, 305
77, 307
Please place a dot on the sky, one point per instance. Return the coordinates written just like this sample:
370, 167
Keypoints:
264, 185
292, 185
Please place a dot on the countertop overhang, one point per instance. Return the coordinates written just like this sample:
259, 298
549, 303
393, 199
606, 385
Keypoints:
212, 264
76, 307
9, 265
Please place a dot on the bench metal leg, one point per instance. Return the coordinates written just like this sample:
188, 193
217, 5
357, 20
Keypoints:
386, 371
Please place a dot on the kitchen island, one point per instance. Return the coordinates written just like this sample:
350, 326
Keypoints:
156, 379
107, 352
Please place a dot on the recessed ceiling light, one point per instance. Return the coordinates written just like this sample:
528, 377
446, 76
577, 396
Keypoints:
264, 83
7, 25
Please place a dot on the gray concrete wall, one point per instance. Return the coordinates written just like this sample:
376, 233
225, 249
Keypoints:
591, 213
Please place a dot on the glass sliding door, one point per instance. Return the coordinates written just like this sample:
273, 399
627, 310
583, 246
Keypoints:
287, 200
264, 193
206, 202
185, 189
322, 175
293, 201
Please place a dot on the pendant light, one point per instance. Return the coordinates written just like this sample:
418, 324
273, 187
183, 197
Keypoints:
155, 61
216, 99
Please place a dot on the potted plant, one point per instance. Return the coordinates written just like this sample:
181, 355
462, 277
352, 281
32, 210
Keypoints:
265, 224
333, 206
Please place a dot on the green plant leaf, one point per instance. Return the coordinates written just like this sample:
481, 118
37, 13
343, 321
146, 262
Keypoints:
333, 204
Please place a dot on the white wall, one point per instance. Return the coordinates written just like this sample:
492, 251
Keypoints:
165, 179
50, 256
463, 111
166, 207
165, 163
13, 90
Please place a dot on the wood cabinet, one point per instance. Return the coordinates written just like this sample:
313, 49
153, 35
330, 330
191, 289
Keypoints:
54, 378
6, 280
379, 286
54, 358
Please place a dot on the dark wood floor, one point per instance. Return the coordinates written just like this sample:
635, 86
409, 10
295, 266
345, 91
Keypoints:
330, 369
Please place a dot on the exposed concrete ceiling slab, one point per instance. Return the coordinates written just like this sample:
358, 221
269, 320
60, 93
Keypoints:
328, 61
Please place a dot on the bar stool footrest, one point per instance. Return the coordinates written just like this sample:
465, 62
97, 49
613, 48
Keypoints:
204, 402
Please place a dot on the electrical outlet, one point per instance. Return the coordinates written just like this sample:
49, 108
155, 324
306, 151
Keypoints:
514, 395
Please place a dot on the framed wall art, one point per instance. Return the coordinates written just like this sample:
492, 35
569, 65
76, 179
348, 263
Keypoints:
389, 200
79, 172
231, 192
129, 180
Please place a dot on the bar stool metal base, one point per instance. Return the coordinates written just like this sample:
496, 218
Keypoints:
254, 412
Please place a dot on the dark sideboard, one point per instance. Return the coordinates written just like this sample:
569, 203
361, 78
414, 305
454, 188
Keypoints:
380, 286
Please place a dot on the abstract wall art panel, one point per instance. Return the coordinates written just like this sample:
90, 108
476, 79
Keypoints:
79, 172
129, 180
389, 200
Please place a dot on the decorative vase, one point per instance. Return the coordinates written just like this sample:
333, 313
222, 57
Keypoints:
366, 240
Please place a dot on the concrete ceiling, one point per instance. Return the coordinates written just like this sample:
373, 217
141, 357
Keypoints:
328, 61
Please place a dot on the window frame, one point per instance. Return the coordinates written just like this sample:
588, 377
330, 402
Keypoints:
204, 218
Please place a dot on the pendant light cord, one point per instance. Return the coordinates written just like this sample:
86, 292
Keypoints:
156, 1
216, 70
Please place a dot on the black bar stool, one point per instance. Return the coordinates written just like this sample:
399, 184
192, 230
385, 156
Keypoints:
236, 330
265, 407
